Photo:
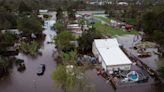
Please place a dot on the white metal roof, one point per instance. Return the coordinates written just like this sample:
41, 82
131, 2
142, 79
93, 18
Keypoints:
114, 56
111, 53
73, 26
43, 11
122, 3
106, 43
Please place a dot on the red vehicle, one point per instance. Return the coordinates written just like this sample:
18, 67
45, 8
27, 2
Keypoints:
128, 27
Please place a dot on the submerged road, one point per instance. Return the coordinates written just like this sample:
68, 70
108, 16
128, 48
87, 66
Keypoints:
28, 81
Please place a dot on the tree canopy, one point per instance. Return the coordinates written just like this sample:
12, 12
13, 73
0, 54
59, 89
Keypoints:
9, 38
29, 25
30, 47
59, 26
71, 80
63, 41
24, 8
71, 13
153, 22
4, 66
59, 14
7, 19
86, 40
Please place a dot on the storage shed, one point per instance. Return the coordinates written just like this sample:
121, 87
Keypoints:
110, 55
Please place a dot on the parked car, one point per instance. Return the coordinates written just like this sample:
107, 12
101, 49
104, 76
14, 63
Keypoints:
41, 69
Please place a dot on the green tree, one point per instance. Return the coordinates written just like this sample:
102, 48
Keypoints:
4, 65
86, 40
29, 25
24, 8
9, 38
160, 21
132, 11
71, 13
7, 19
161, 70
59, 26
30, 47
153, 22
63, 41
59, 75
82, 23
59, 14
71, 80
149, 22
69, 57
158, 36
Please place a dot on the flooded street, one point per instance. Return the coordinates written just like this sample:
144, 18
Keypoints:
29, 81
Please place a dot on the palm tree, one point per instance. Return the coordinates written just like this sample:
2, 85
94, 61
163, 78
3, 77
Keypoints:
4, 65
71, 79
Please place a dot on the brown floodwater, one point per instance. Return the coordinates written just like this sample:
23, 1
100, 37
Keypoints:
28, 81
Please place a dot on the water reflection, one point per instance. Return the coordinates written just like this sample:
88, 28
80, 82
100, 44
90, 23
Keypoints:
28, 81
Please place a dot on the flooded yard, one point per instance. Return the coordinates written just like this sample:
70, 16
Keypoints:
29, 81
128, 41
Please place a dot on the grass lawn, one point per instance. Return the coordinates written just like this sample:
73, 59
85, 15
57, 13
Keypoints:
107, 30
112, 31
105, 19
132, 21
